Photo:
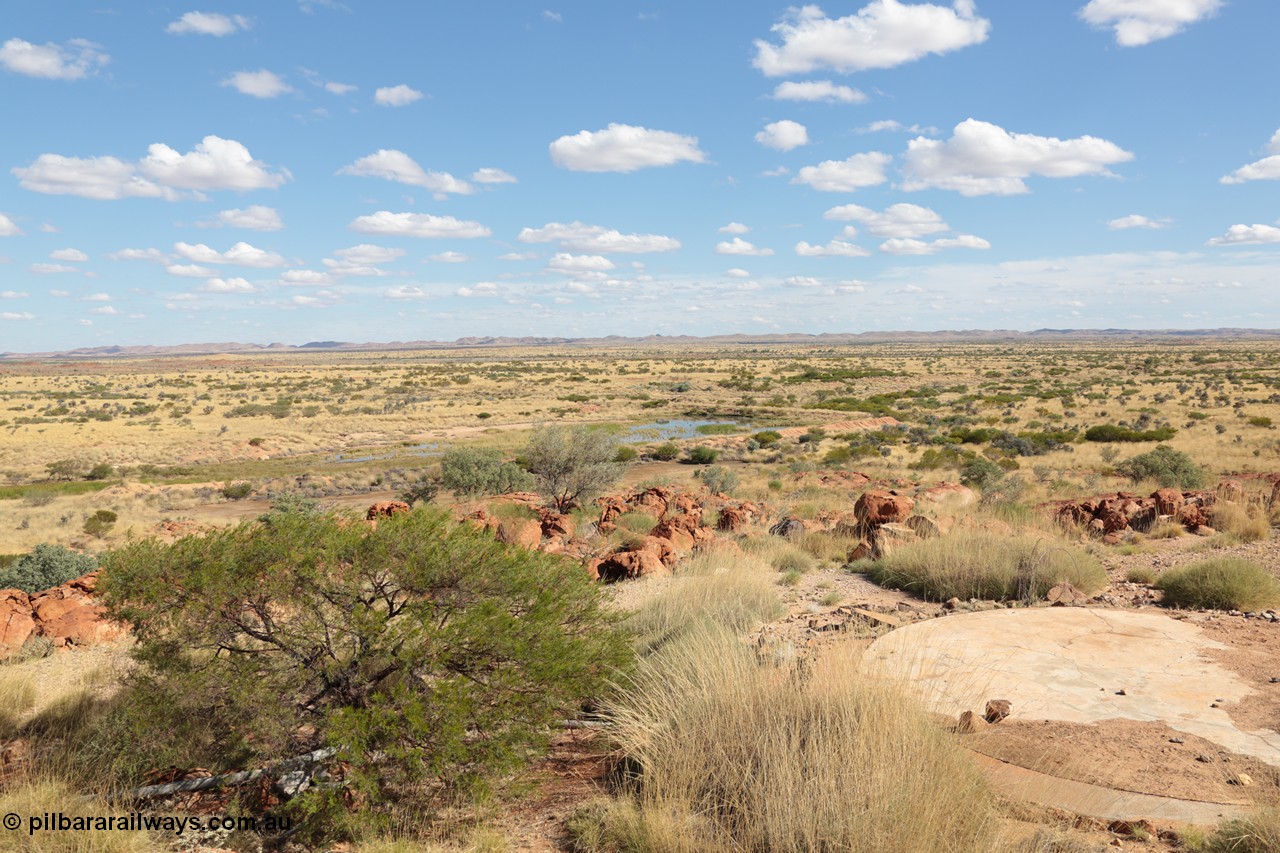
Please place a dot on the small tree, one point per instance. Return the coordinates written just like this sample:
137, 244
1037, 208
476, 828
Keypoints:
46, 567
433, 657
572, 463
1166, 466
475, 471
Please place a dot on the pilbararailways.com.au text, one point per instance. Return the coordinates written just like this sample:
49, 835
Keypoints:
140, 822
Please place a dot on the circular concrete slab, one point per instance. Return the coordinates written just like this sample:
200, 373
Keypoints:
1071, 664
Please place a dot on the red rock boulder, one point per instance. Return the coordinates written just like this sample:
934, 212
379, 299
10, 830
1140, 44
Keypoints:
1168, 501
70, 614
16, 622
875, 508
525, 534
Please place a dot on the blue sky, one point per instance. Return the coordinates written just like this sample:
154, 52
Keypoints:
316, 170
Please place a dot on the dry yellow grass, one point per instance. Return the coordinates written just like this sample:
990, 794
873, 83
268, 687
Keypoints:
731, 755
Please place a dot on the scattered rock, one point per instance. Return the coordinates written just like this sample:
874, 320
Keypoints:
1244, 780
889, 536
1064, 595
385, 509
969, 723
997, 710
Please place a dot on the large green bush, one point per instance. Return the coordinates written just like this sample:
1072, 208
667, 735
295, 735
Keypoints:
475, 471
433, 657
46, 567
1167, 466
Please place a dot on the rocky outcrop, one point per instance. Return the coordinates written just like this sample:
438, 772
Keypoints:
525, 534
68, 615
949, 495
1110, 515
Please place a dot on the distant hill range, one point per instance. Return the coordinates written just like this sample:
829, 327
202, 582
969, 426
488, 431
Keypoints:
791, 339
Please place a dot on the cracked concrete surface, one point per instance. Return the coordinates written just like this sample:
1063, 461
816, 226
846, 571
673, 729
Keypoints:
1071, 664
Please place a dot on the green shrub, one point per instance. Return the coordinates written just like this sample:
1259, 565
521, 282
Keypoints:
625, 454
768, 437
701, 455
423, 491
100, 523
434, 658
1111, 432
718, 479
981, 473
1166, 466
718, 429
1260, 421
237, 491
978, 564
666, 452
1141, 574
1221, 583
475, 471
45, 567
101, 471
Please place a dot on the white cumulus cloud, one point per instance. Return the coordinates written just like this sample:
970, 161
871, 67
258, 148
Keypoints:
190, 271
450, 258
783, 135
70, 255
1266, 169
51, 269
396, 96
738, 246
981, 158
883, 34
911, 246
256, 217
16, 315
9, 228
208, 24
73, 61
241, 255
13, 294
624, 148
153, 255
400, 167
1136, 220
835, 249
417, 225
580, 237
227, 285
734, 228
1139, 22
818, 90
898, 220
259, 84
839, 176
567, 263
1244, 235
404, 293
490, 175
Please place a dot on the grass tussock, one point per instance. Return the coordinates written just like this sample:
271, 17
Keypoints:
828, 547
1141, 574
17, 699
979, 564
41, 797
732, 592
729, 755
1220, 583
1245, 524
783, 554
1258, 833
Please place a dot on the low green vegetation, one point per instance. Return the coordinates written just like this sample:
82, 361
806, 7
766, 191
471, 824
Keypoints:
1111, 432
433, 658
475, 471
979, 564
45, 567
1220, 583
1166, 466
